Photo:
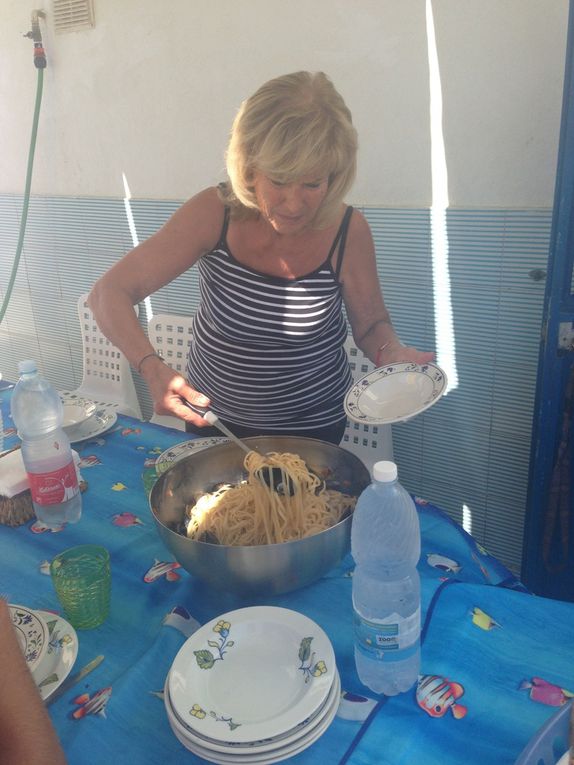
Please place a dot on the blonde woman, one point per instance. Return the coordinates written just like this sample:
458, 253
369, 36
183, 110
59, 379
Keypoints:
279, 254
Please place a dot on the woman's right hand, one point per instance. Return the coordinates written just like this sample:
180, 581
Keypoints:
169, 391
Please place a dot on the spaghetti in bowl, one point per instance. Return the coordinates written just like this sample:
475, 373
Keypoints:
254, 569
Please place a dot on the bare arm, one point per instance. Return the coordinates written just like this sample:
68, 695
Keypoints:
26, 732
371, 324
188, 234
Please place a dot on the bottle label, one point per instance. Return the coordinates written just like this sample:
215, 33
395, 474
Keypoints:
54, 487
378, 638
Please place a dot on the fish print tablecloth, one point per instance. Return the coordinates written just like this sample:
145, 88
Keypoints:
497, 661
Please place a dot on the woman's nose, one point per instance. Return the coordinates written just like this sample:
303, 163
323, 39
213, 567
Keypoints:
292, 196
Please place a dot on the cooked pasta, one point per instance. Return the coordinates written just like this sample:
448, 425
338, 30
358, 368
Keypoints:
254, 513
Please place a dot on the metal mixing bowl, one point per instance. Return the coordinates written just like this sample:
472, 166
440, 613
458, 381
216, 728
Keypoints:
258, 569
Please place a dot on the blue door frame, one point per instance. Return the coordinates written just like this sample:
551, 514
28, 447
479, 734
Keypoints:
548, 552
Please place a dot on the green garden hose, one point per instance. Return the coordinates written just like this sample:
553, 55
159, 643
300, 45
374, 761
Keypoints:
40, 63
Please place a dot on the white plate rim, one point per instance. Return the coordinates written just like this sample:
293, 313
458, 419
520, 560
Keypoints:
59, 660
100, 422
185, 671
351, 403
258, 747
90, 407
182, 449
282, 753
36, 623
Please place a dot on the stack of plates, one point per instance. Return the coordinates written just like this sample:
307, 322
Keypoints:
256, 685
49, 644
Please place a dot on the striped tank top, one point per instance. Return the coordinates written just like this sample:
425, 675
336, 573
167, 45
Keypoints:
268, 351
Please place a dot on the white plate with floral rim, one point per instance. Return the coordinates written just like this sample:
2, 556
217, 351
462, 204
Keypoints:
282, 752
60, 656
104, 418
256, 747
177, 452
77, 411
252, 674
31, 632
395, 393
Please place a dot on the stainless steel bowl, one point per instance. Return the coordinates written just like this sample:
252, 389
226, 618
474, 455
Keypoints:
259, 569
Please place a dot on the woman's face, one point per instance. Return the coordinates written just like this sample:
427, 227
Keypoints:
290, 207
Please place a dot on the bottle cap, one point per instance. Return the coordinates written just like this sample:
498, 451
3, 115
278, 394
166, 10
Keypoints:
385, 471
27, 366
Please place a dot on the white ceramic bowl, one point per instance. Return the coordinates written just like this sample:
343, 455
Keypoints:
77, 411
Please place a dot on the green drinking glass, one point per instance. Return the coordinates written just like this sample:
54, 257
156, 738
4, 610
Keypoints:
82, 579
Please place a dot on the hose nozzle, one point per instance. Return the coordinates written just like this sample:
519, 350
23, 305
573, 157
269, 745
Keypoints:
36, 35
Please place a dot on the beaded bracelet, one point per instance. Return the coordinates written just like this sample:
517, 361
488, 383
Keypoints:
147, 356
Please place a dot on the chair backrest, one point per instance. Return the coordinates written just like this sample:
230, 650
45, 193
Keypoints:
550, 741
107, 376
370, 443
170, 336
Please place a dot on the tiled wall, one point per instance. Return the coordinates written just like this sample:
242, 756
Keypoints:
469, 454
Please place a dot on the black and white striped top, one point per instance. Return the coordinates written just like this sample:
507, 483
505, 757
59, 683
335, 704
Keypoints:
268, 351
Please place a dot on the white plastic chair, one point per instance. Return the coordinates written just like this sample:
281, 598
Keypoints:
170, 336
370, 443
107, 377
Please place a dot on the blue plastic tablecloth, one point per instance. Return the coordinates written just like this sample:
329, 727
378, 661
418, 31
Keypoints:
496, 660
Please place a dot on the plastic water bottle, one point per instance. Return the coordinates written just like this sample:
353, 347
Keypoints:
386, 546
38, 413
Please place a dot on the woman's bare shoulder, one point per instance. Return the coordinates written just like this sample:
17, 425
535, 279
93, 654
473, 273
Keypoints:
359, 237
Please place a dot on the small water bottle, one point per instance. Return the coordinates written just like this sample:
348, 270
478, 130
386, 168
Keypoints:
386, 547
37, 413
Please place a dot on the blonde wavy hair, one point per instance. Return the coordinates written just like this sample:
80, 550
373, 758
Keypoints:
292, 127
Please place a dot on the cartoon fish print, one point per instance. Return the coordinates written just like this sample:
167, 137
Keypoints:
94, 704
483, 570
545, 693
436, 695
89, 461
149, 463
119, 486
44, 567
126, 519
483, 620
129, 431
40, 528
352, 706
162, 568
180, 619
482, 550
443, 563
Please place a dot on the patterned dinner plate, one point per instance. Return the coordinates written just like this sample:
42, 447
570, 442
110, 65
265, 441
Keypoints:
282, 751
252, 674
31, 632
104, 418
179, 451
395, 393
77, 411
60, 656
257, 748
